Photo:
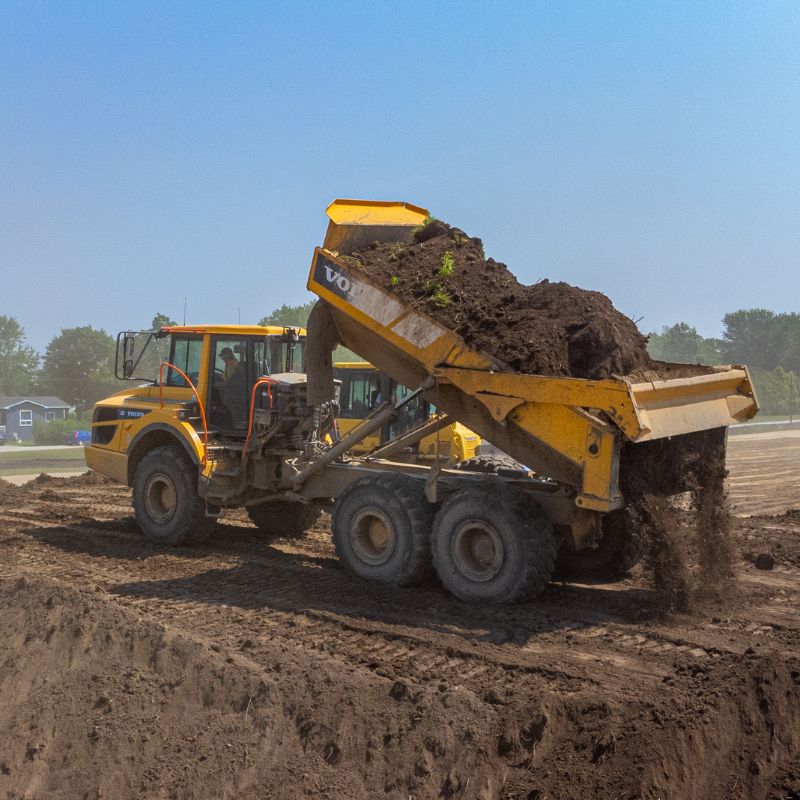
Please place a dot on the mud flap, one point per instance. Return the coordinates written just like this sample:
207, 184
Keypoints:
431, 492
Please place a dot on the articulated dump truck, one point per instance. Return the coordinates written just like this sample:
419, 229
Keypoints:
493, 536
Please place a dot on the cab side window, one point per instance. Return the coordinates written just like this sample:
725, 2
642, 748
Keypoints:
186, 356
360, 395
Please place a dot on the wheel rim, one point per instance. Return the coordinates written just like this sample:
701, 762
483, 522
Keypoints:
160, 497
477, 550
372, 536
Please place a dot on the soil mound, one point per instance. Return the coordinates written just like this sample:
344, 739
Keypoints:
90, 478
546, 328
102, 702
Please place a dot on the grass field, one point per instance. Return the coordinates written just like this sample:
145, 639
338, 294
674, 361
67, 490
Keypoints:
19, 463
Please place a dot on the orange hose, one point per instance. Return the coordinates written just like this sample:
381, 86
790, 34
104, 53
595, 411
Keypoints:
197, 396
259, 382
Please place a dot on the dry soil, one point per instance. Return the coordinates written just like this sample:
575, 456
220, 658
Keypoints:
257, 668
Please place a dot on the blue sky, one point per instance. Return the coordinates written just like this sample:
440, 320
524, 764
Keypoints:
151, 152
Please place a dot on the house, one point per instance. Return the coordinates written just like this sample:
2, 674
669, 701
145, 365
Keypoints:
19, 413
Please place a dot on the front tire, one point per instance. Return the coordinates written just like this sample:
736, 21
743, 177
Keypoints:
492, 544
284, 517
381, 530
168, 509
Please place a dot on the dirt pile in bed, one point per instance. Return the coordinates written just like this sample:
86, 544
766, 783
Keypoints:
546, 328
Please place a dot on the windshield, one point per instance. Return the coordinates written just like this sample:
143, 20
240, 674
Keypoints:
280, 354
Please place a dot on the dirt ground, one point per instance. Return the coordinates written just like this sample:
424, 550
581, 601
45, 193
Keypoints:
255, 668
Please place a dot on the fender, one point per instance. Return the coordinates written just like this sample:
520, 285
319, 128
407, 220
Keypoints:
161, 428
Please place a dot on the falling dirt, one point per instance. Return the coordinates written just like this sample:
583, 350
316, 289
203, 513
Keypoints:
654, 472
256, 667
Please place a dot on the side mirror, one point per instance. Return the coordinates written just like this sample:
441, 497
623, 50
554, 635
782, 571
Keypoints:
128, 347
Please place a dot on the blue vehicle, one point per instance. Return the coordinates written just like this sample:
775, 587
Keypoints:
79, 438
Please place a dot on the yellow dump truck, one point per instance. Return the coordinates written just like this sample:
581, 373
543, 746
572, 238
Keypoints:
195, 443
363, 388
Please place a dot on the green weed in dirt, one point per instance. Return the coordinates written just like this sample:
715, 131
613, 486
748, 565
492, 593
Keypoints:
448, 265
434, 288
424, 224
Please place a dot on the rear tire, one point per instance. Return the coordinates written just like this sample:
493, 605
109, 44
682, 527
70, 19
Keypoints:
168, 509
492, 544
381, 530
619, 551
284, 517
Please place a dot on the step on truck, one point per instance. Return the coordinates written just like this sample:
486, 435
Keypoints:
233, 420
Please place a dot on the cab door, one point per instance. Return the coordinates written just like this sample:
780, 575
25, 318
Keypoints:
231, 363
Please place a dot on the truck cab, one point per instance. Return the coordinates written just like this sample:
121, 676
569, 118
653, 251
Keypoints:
191, 385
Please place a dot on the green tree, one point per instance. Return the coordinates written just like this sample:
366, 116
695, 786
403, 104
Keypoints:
778, 391
79, 366
162, 321
682, 343
295, 316
755, 337
18, 361
790, 342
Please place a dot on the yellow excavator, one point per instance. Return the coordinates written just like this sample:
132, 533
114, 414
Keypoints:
363, 388
247, 428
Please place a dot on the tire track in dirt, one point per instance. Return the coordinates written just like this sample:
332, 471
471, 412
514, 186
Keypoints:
269, 590
606, 657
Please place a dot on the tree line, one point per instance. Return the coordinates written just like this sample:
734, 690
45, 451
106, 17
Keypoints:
78, 364
768, 343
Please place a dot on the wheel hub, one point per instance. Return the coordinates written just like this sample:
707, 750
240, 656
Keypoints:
372, 536
160, 498
477, 550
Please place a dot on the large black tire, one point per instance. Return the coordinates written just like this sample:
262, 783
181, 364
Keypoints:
492, 465
284, 517
168, 509
381, 530
620, 549
492, 544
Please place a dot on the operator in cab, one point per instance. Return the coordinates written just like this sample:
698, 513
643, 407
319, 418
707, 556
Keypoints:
233, 367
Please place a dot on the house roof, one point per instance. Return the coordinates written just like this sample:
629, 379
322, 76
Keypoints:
44, 402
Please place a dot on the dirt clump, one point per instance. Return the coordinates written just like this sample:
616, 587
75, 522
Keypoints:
548, 328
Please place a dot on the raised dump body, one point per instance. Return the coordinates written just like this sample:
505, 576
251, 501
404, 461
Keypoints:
568, 429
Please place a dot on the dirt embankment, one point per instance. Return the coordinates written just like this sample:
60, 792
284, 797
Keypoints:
255, 668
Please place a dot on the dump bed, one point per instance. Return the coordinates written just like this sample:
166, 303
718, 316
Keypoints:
568, 429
